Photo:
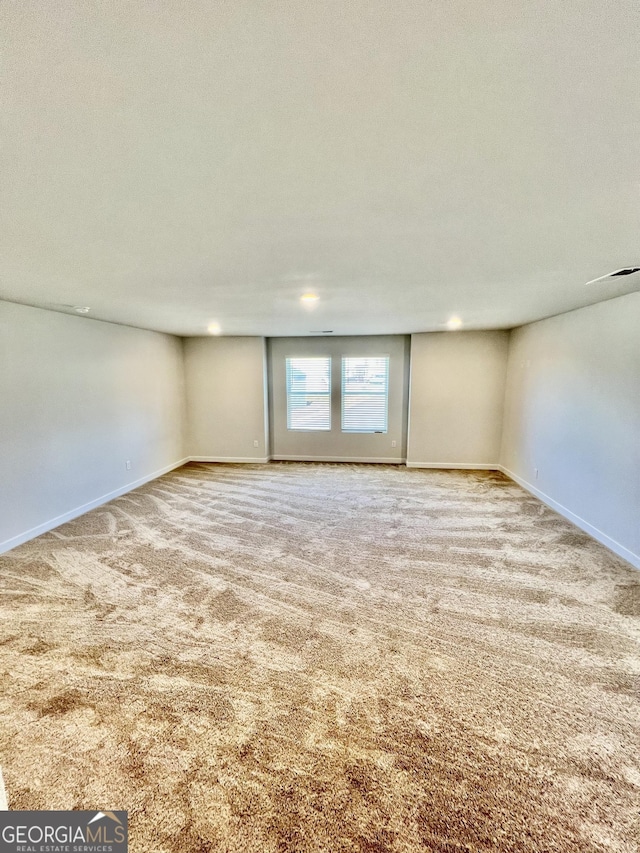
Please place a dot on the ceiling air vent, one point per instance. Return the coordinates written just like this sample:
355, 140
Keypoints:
623, 271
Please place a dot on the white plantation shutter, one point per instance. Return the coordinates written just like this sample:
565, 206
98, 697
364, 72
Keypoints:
309, 393
365, 394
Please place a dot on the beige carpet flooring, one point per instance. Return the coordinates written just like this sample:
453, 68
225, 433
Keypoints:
303, 657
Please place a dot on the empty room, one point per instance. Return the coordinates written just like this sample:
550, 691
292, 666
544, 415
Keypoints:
320, 427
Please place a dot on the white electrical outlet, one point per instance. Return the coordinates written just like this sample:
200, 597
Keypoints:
255, 443
127, 464
393, 444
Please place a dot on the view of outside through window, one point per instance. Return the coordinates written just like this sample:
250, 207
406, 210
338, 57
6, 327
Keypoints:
309, 393
365, 384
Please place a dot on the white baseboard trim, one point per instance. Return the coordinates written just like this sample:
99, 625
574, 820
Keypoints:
382, 460
597, 534
456, 466
258, 460
21, 538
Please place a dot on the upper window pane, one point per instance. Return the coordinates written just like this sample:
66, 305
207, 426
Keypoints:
309, 393
365, 392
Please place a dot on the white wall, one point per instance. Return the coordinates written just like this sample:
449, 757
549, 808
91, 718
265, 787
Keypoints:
77, 399
334, 444
226, 399
456, 399
572, 411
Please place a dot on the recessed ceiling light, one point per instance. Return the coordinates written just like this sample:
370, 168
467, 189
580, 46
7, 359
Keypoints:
309, 298
454, 323
214, 328
81, 309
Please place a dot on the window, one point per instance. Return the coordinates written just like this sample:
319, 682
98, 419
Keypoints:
309, 393
365, 393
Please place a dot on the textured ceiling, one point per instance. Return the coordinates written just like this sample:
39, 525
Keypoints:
174, 164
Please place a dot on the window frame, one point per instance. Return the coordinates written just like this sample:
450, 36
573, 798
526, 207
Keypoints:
290, 394
345, 394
